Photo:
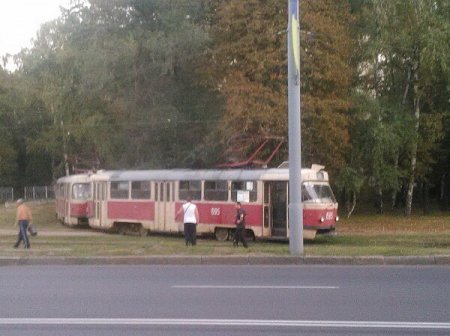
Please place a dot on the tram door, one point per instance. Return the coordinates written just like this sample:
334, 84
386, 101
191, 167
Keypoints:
278, 208
100, 207
67, 196
165, 207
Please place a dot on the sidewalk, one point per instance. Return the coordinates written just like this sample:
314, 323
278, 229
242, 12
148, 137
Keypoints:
443, 260
55, 233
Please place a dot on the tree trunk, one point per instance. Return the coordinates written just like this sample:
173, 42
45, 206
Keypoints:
413, 166
353, 206
394, 191
65, 155
426, 198
380, 200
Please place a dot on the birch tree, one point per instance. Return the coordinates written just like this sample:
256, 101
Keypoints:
409, 42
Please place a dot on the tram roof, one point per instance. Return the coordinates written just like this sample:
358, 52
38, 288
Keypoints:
270, 174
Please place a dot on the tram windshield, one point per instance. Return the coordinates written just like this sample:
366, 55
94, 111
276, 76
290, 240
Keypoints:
317, 193
81, 191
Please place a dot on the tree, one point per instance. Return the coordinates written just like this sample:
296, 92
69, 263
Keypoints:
249, 64
10, 100
119, 75
408, 42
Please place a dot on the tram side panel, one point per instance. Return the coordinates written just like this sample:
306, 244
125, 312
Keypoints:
215, 216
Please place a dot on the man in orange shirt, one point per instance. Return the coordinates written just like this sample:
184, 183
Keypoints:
23, 218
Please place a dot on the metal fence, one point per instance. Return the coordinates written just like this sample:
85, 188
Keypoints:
6, 194
34, 193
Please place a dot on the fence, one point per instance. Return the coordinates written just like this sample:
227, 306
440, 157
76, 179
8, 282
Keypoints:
34, 193
38, 193
6, 194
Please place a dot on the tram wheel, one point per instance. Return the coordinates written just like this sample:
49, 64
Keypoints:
221, 234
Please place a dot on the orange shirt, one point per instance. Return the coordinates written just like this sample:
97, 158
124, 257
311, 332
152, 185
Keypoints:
23, 213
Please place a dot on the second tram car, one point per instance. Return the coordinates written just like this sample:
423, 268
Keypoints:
147, 201
73, 198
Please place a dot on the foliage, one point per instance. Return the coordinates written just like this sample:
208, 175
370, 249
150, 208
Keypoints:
249, 68
401, 64
180, 83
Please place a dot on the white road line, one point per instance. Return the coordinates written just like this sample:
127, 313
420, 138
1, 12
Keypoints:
252, 287
229, 323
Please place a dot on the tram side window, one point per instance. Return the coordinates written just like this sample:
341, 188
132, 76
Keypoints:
119, 190
244, 191
306, 196
140, 190
216, 190
190, 188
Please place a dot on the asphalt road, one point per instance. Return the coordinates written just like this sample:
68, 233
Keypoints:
224, 300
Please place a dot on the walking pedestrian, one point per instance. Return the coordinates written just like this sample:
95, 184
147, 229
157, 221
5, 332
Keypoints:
23, 219
239, 234
190, 220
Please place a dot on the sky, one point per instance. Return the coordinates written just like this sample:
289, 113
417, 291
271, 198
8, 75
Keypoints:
20, 20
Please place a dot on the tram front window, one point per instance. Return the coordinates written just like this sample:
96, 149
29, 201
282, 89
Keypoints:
81, 191
317, 193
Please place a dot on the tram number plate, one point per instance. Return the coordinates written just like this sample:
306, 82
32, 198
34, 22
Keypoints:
329, 215
215, 211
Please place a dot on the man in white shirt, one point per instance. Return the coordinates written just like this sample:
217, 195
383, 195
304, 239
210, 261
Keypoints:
190, 219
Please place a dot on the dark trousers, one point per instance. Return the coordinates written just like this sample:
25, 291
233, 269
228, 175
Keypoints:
190, 233
23, 236
239, 236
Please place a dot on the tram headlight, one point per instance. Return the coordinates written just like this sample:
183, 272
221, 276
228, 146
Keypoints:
322, 219
337, 218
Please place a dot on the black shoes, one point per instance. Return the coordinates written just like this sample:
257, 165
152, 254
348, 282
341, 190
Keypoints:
236, 244
16, 246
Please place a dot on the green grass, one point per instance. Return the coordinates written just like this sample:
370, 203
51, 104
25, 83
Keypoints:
368, 235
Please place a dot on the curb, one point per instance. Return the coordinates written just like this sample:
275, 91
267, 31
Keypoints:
441, 260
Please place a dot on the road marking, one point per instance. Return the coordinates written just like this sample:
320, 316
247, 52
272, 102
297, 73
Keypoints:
229, 323
252, 287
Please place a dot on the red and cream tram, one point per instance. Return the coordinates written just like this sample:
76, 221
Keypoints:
73, 198
147, 201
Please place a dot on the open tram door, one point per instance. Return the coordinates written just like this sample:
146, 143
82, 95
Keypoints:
275, 209
165, 207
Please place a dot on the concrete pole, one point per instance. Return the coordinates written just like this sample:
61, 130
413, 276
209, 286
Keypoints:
295, 161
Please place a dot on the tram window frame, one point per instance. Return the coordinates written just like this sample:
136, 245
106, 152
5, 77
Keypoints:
80, 192
215, 190
192, 188
118, 191
141, 190
237, 186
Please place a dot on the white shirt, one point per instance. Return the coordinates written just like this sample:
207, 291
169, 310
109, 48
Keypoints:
189, 213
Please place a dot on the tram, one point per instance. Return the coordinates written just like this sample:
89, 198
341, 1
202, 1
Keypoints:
145, 201
73, 198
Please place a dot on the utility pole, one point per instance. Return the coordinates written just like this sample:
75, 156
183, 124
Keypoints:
295, 140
